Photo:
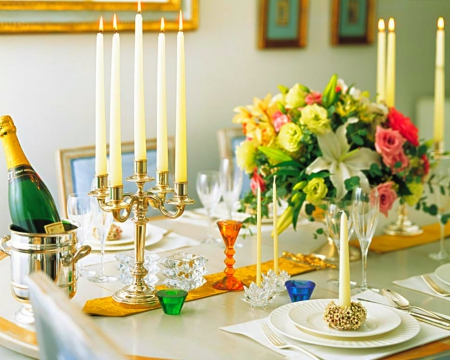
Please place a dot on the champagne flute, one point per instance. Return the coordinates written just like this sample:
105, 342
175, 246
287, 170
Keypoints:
439, 195
79, 210
102, 221
209, 191
365, 211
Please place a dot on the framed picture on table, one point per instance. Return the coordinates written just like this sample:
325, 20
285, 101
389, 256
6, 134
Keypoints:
282, 23
53, 16
352, 22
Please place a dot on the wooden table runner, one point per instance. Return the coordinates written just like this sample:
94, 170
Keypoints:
386, 243
107, 307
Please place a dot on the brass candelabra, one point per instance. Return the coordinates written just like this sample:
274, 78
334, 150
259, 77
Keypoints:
122, 205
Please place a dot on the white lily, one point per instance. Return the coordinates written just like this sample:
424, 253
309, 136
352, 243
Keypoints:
340, 161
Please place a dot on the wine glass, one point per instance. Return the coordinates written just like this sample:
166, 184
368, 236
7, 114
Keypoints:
365, 211
101, 221
439, 195
79, 210
209, 191
231, 178
333, 211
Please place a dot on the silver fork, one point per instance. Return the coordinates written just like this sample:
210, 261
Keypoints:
280, 344
435, 287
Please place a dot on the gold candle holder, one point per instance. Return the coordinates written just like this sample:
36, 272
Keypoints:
122, 205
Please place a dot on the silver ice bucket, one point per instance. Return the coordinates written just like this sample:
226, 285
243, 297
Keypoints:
54, 254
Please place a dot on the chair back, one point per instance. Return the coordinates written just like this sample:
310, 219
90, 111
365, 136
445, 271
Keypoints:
62, 330
77, 169
228, 140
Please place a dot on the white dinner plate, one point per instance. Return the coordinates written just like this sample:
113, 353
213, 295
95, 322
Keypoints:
153, 235
409, 327
443, 273
308, 315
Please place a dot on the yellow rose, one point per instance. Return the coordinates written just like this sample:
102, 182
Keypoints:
295, 97
315, 118
289, 137
315, 191
417, 190
246, 155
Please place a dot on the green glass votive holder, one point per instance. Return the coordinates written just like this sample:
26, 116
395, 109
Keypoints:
171, 300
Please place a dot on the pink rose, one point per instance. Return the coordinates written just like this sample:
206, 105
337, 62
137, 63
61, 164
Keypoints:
313, 98
391, 160
256, 181
279, 119
387, 196
388, 142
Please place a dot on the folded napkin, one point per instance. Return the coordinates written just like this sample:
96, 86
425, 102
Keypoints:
386, 243
171, 241
418, 284
107, 307
428, 333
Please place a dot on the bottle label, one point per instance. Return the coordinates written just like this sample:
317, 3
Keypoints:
55, 228
19, 171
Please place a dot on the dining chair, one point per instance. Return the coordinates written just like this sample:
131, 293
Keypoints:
77, 169
63, 331
228, 139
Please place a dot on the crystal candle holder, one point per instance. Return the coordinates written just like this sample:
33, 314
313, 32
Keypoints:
127, 263
256, 296
184, 271
275, 282
171, 300
184, 261
300, 290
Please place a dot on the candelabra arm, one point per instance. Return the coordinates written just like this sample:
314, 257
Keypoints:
168, 214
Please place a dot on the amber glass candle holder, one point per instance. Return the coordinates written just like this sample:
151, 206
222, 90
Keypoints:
229, 230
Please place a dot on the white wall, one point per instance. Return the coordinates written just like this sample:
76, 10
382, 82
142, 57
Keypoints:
47, 81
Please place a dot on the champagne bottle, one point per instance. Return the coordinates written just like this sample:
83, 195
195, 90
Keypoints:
31, 205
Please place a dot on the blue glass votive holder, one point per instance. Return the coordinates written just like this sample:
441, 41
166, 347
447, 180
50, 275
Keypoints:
300, 290
171, 300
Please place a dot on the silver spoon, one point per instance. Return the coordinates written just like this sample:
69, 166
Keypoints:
402, 303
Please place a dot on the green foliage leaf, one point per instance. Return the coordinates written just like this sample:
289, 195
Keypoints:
422, 150
375, 170
358, 140
274, 154
351, 183
320, 175
309, 208
283, 89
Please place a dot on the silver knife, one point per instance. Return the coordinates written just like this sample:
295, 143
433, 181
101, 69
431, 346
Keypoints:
421, 317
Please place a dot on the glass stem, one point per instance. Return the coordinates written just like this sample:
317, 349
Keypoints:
442, 229
101, 235
210, 226
364, 250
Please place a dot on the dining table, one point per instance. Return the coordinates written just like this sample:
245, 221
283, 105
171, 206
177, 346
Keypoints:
196, 333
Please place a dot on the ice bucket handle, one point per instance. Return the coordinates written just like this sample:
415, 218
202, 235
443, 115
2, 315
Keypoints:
81, 253
7, 249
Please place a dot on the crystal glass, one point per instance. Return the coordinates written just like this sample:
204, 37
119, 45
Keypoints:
209, 191
365, 211
101, 221
79, 210
229, 229
231, 177
438, 193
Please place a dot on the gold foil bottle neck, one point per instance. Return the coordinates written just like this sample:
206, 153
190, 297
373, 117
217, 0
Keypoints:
6, 125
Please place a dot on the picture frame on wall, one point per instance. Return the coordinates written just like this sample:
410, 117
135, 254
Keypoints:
282, 23
352, 22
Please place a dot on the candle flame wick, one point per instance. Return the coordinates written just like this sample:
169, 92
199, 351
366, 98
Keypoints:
440, 23
381, 25
391, 24
139, 6
181, 21
115, 23
163, 27
100, 26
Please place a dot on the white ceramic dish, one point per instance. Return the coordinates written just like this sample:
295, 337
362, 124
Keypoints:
308, 316
443, 273
408, 328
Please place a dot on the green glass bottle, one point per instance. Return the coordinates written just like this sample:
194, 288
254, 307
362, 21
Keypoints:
31, 205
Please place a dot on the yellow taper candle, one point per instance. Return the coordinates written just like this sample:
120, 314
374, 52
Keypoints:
258, 237
140, 151
275, 230
100, 117
439, 85
344, 264
162, 158
180, 140
390, 72
381, 62
115, 146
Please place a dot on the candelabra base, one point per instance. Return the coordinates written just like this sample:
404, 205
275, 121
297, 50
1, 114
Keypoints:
405, 228
128, 296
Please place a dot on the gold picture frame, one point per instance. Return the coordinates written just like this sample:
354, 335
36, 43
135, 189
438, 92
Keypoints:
352, 22
282, 23
82, 16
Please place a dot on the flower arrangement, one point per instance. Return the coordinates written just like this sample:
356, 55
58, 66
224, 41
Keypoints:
324, 144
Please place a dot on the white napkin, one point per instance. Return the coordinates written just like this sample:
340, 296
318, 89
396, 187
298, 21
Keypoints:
171, 241
428, 333
418, 284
